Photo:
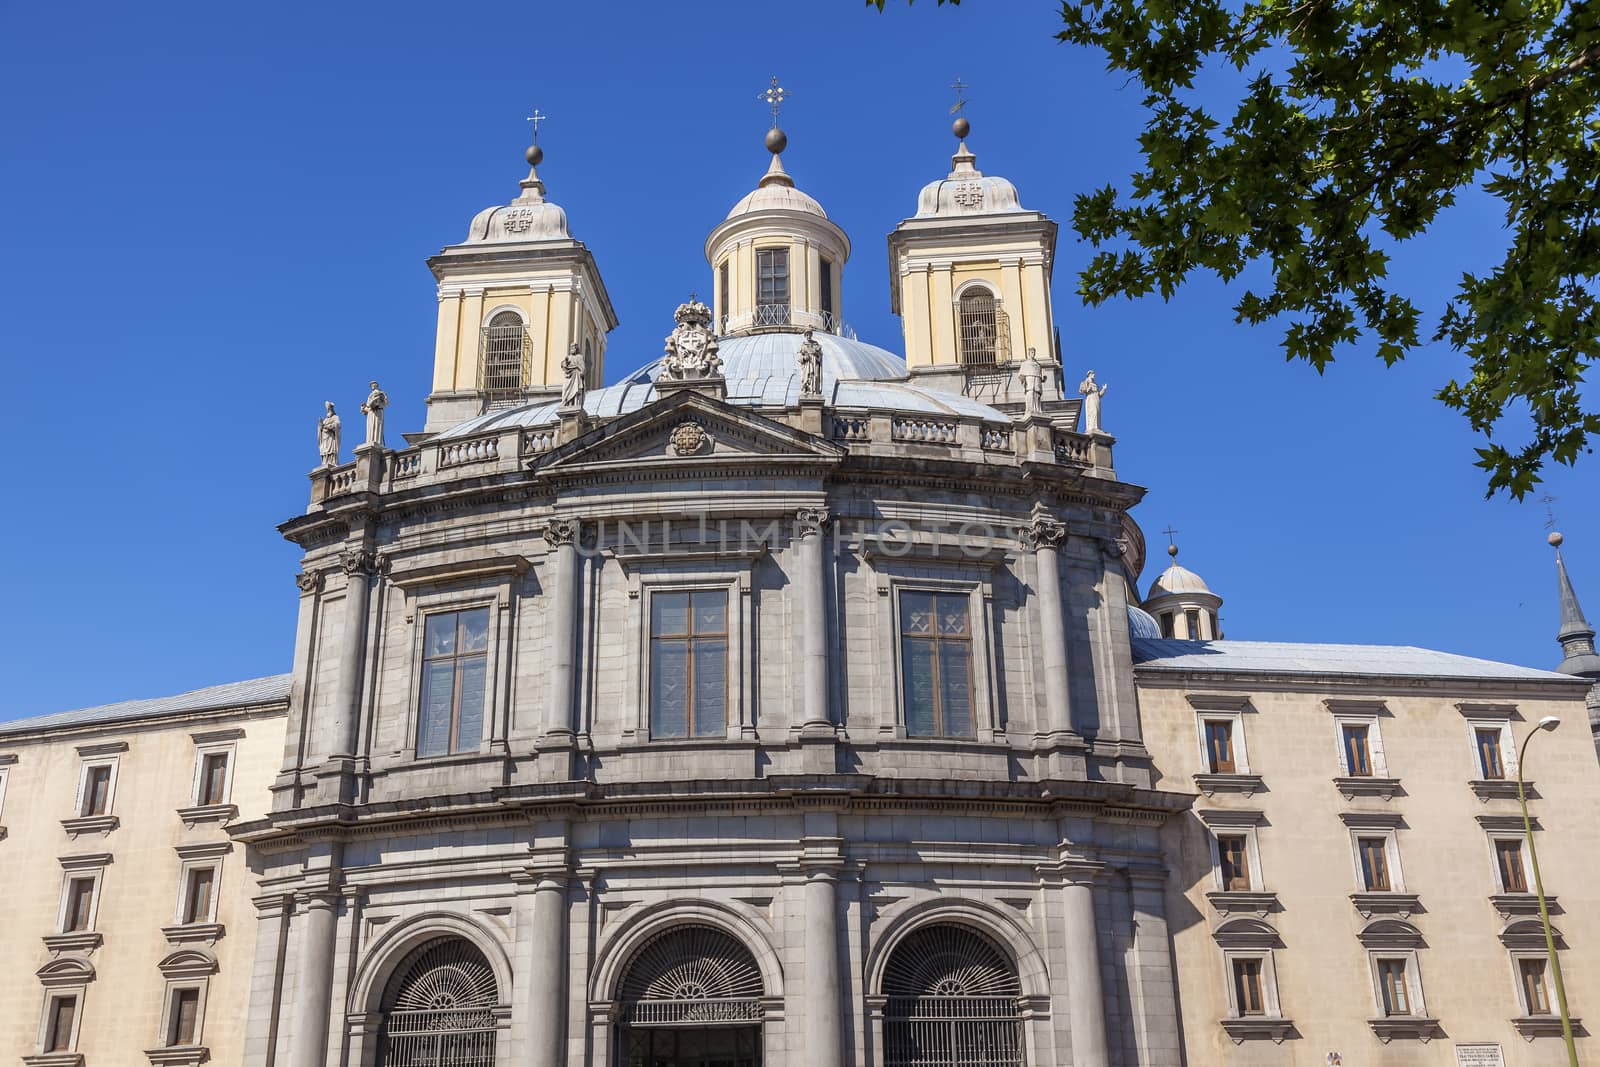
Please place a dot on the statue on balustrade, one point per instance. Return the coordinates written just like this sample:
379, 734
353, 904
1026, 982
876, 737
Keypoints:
377, 400
810, 359
1031, 376
328, 436
1091, 403
572, 365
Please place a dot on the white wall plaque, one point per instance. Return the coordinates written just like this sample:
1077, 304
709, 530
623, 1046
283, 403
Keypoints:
1486, 1054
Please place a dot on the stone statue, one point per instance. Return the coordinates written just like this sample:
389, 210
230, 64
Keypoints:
377, 400
1091, 403
810, 359
574, 367
328, 436
1031, 376
691, 346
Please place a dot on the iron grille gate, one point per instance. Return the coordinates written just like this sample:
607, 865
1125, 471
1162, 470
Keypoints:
985, 332
440, 1009
952, 1002
503, 352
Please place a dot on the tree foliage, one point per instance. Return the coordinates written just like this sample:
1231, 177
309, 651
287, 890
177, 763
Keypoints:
1357, 123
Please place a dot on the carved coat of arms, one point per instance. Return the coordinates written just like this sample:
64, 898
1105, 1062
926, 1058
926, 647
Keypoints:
688, 438
691, 346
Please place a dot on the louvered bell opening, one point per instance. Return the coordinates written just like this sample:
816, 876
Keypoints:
503, 353
440, 1009
985, 333
691, 976
952, 1002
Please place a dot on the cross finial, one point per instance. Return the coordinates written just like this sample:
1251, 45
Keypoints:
1170, 532
1549, 511
961, 88
536, 118
775, 95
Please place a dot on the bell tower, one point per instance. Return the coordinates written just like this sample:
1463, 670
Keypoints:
514, 297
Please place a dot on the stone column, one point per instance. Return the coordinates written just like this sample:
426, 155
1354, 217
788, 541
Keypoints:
1085, 991
359, 567
812, 579
539, 1032
563, 534
824, 1035
313, 990
1045, 535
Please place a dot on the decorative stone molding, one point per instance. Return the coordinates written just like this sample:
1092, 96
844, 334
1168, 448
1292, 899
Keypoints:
90, 824
194, 933
1534, 1026
1247, 934
1042, 533
1372, 820
1367, 786
562, 531
103, 748
203, 850
1527, 935
176, 1055
466, 570
1370, 904
88, 861
363, 562
1506, 824
1218, 701
1257, 1028
1487, 789
1509, 904
8, 759
203, 813
1219, 818
308, 581
1243, 902
810, 521
54, 1059
188, 964
212, 737
689, 439
61, 974
1356, 707
1244, 784
78, 941
1487, 711
1407, 1027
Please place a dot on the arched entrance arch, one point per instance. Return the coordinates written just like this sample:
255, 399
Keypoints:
690, 996
951, 996
438, 1008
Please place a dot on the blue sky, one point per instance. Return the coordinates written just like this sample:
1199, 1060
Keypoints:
215, 217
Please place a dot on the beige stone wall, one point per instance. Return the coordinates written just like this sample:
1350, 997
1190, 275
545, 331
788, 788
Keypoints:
1306, 859
121, 1007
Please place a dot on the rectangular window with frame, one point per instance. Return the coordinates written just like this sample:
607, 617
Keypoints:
1374, 864
1191, 619
213, 784
1491, 760
1247, 982
63, 1014
722, 295
1357, 749
1219, 746
936, 663
455, 682
4, 775
79, 912
1233, 856
183, 1020
689, 663
199, 893
1396, 999
772, 286
1508, 864
826, 302
96, 790
1166, 625
1535, 994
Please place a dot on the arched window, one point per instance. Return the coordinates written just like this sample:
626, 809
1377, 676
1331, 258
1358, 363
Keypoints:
691, 995
952, 999
439, 1008
504, 357
980, 322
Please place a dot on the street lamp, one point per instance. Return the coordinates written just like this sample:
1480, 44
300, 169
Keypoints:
1548, 723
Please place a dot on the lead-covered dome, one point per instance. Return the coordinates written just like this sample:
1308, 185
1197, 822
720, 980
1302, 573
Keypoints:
1176, 580
776, 192
966, 190
530, 217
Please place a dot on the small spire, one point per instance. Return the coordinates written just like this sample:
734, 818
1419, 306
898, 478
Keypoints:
1172, 546
1575, 634
532, 187
776, 139
962, 164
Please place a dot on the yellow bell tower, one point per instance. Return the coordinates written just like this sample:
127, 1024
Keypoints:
514, 297
970, 279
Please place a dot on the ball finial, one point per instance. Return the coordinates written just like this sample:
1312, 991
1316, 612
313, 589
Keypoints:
961, 127
777, 140
1555, 539
1172, 550
534, 155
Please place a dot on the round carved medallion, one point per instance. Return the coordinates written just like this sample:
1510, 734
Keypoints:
689, 438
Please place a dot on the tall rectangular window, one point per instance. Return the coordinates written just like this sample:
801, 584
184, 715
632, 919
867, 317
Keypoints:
772, 286
1247, 987
936, 659
689, 663
1166, 624
213, 778
1234, 857
1535, 995
1219, 746
58, 1029
1490, 759
455, 677
97, 790
826, 293
1357, 750
1392, 987
1508, 859
1191, 619
80, 905
183, 1023
722, 295
198, 893
1374, 864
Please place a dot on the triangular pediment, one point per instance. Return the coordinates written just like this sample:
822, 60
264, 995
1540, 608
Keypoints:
689, 429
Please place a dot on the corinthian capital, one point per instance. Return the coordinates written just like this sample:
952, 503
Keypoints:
360, 561
1042, 533
308, 581
808, 521
562, 531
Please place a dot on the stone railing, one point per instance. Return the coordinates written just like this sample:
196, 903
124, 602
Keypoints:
995, 438
852, 428
461, 453
1074, 449
407, 464
923, 431
339, 480
535, 442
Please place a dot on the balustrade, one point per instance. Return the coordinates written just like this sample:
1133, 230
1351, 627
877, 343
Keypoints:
472, 450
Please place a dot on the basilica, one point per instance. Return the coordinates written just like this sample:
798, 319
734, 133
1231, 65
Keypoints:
791, 701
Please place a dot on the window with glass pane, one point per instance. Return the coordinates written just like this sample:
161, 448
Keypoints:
772, 286
1508, 857
97, 790
197, 895
1219, 746
1191, 619
1489, 756
722, 295
213, 777
59, 1036
827, 291
1374, 864
1166, 624
1535, 996
455, 673
689, 663
185, 1017
1247, 987
936, 660
80, 905
1234, 856
1392, 984
1357, 751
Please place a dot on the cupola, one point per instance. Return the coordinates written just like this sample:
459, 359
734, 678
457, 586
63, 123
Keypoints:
514, 298
1183, 606
777, 259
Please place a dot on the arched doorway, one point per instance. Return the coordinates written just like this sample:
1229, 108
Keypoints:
439, 1008
690, 997
952, 997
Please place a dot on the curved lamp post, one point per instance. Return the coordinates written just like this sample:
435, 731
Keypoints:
1549, 722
